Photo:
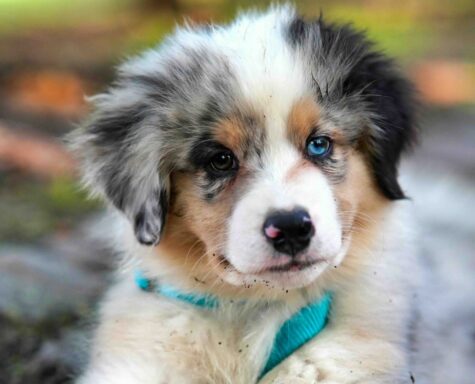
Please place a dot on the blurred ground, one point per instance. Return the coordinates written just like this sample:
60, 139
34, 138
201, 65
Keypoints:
53, 268
439, 177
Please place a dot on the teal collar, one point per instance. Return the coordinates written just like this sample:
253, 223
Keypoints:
296, 331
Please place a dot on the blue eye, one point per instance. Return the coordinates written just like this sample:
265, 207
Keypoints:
319, 147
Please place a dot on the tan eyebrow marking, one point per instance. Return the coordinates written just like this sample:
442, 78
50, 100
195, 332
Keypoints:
303, 118
232, 133
241, 132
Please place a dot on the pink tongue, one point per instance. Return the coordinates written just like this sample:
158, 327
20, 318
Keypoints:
272, 232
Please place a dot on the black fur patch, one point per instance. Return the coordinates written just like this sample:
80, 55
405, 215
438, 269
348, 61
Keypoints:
203, 149
210, 182
362, 76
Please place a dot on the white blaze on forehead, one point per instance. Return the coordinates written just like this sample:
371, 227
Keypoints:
270, 76
279, 157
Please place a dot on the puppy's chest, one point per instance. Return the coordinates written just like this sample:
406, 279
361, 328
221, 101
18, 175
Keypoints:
219, 346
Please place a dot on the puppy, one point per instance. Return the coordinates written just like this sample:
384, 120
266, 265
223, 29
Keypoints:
255, 169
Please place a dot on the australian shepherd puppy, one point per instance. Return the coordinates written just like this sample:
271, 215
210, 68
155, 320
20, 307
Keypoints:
254, 164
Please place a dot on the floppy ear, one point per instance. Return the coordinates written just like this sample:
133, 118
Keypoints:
119, 150
390, 100
387, 97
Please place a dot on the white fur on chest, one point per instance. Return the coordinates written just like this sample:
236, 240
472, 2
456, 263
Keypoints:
145, 338
152, 339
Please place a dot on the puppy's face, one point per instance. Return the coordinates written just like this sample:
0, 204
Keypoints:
271, 199
261, 143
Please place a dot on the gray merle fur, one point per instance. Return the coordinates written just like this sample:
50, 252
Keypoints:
146, 125
361, 78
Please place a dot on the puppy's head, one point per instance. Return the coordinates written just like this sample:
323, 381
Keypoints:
260, 143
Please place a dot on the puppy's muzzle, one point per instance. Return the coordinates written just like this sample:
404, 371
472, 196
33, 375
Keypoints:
289, 232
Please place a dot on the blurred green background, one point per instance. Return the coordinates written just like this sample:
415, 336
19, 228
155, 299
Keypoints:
54, 52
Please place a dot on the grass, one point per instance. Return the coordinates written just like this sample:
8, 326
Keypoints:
395, 31
18, 15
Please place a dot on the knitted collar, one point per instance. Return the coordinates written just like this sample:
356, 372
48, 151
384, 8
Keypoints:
296, 331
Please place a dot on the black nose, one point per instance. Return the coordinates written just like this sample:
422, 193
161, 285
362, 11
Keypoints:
289, 232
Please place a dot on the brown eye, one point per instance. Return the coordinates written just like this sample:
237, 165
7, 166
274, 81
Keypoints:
222, 162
